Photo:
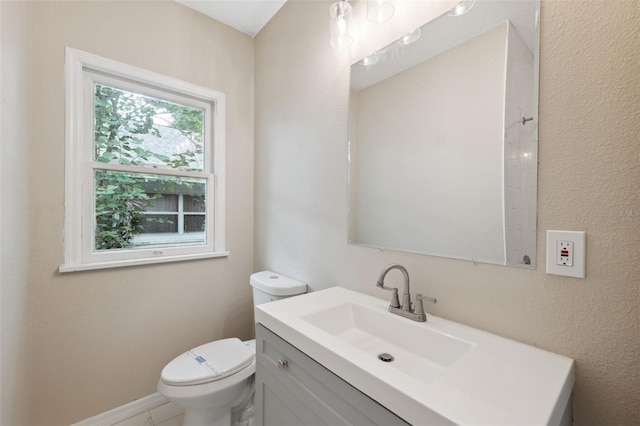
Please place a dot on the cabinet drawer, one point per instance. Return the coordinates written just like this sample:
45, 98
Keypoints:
293, 389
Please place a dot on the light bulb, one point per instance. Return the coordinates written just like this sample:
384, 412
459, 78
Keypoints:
411, 37
370, 59
463, 7
342, 25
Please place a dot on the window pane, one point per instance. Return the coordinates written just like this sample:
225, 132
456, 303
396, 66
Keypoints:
134, 129
124, 204
194, 203
163, 203
194, 223
154, 223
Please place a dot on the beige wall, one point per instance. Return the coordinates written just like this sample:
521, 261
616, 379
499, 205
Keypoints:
589, 171
102, 337
14, 205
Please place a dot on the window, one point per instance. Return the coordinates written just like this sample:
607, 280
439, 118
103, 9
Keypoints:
144, 177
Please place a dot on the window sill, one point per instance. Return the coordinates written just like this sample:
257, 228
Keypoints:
122, 263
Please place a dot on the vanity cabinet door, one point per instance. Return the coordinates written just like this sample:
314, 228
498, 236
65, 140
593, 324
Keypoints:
294, 390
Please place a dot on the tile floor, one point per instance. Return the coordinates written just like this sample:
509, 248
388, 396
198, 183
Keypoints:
163, 415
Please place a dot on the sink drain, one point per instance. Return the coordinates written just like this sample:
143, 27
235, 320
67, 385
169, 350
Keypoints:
385, 357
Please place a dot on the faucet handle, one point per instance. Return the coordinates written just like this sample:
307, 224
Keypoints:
428, 299
419, 308
395, 301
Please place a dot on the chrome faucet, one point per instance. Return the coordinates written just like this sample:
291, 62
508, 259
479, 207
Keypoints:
417, 313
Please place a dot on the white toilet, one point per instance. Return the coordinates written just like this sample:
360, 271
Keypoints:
214, 382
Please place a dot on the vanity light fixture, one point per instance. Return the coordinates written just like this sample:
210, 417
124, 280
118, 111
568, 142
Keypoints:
412, 37
379, 11
463, 7
339, 24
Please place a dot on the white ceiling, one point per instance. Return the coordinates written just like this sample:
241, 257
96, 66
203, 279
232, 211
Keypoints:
248, 16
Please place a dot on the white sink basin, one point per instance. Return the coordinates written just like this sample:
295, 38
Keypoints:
443, 373
419, 351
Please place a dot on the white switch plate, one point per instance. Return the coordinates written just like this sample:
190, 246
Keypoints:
575, 242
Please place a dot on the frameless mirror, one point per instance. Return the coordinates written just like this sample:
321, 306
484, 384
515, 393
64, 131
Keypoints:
443, 130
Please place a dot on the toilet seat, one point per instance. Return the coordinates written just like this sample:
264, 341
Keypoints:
208, 363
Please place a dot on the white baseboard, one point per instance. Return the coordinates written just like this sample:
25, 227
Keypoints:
125, 411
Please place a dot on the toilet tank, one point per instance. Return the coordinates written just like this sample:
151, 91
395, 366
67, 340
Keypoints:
269, 286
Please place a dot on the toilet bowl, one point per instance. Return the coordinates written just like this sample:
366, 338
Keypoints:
214, 382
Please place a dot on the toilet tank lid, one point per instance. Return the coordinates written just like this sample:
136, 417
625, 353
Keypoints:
277, 284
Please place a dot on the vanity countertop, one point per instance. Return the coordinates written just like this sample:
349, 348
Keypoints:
443, 372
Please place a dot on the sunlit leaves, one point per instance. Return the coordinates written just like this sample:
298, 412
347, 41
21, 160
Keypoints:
127, 126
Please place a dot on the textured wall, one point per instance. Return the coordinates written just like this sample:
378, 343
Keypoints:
589, 176
14, 203
102, 337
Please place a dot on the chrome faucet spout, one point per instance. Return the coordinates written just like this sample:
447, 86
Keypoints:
406, 295
416, 314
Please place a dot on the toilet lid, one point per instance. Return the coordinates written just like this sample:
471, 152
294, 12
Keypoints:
209, 362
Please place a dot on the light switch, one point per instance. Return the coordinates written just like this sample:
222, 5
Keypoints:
566, 253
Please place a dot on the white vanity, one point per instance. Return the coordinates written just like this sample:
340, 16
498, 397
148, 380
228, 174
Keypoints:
325, 358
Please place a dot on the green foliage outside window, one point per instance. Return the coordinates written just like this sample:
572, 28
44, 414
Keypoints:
124, 124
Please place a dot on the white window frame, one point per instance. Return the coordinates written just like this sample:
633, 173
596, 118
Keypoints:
81, 70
